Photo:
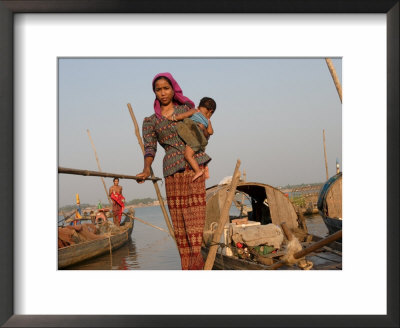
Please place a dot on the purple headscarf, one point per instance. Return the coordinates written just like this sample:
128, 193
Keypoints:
179, 98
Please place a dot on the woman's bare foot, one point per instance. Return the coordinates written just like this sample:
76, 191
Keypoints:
198, 174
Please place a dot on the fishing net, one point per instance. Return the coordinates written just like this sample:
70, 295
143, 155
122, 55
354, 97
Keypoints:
71, 235
293, 247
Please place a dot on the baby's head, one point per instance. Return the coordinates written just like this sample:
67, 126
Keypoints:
207, 106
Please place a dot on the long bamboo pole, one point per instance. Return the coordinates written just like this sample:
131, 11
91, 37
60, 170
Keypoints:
98, 165
145, 222
244, 180
334, 77
326, 161
223, 219
155, 184
88, 173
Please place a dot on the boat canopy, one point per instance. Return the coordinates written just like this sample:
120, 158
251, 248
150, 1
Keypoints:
268, 204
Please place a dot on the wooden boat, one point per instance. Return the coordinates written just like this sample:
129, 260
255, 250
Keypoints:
330, 203
268, 205
74, 254
327, 258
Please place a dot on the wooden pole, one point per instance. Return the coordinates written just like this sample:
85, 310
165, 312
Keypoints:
223, 219
244, 180
88, 173
311, 248
326, 161
334, 77
319, 244
303, 221
140, 220
98, 166
160, 199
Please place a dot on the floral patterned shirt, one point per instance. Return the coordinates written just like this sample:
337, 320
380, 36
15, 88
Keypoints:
164, 131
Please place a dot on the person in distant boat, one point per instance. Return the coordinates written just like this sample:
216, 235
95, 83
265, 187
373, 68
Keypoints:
118, 201
195, 129
186, 198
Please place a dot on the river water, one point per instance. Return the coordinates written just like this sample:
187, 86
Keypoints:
152, 249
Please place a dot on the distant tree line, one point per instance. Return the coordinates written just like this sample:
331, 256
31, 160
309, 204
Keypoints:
302, 185
137, 201
68, 208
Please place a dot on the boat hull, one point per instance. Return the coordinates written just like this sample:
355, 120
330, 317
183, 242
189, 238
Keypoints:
333, 224
328, 258
77, 253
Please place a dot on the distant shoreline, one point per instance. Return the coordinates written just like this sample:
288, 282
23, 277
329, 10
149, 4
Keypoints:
94, 208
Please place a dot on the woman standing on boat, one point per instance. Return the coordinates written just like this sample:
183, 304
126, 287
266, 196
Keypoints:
186, 198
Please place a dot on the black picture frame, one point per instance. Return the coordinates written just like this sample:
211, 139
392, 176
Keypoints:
7, 11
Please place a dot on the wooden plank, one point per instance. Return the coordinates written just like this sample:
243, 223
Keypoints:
330, 257
334, 266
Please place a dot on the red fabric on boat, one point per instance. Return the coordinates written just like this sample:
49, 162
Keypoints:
118, 205
187, 206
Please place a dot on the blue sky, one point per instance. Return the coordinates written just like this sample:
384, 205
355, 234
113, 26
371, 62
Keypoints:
270, 113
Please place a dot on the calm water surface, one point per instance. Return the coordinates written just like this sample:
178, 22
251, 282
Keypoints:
152, 249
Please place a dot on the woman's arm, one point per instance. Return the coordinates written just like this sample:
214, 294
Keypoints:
146, 169
150, 147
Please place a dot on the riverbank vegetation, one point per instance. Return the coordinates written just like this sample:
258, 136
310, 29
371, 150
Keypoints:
136, 201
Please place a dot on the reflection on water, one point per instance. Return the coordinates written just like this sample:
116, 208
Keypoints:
152, 249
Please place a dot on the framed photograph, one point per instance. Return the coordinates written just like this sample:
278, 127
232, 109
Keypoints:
42, 38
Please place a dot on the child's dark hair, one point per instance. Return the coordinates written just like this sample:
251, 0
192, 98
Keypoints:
116, 178
208, 103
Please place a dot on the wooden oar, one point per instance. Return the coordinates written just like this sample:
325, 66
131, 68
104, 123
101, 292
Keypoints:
223, 219
143, 221
98, 166
160, 199
101, 174
309, 249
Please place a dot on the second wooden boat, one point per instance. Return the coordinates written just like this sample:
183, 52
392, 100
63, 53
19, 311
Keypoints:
77, 253
330, 203
265, 205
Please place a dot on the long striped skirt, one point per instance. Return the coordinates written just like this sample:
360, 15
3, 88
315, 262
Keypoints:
187, 206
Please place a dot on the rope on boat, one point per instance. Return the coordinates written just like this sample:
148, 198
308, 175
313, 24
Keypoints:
293, 247
220, 246
109, 243
305, 264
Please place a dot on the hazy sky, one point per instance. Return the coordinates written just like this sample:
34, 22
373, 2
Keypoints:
270, 114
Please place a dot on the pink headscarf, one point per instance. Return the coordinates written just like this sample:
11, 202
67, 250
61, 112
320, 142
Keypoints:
178, 97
